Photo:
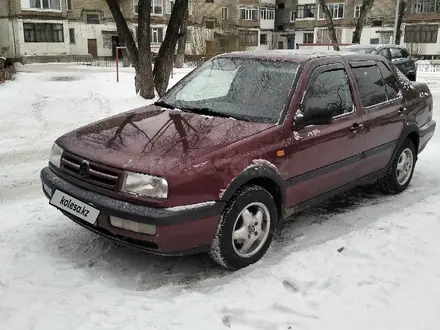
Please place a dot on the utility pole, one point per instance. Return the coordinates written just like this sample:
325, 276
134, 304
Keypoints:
396, 19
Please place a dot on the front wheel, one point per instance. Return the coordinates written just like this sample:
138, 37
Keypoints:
246, 228
400, 174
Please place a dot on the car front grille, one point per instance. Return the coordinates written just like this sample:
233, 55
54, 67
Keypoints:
91, 172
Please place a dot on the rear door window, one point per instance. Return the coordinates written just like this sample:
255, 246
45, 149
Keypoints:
390, 80
371, 85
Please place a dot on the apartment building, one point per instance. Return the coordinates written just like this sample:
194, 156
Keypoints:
311, 24
44, 30
33, 27
285, 23
421, 28
228, 25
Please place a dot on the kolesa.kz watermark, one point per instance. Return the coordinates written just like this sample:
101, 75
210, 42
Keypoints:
77, 208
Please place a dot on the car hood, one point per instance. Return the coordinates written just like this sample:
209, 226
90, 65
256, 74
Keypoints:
154, 140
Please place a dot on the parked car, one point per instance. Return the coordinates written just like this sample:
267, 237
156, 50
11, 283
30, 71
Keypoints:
397, 54
238, 145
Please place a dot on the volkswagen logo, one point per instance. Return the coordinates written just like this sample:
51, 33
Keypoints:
84, 169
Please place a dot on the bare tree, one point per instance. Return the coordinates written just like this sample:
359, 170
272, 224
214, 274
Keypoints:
140, 57
402, 9
180, 57
165, 57
416, 49
330, 25
365, 9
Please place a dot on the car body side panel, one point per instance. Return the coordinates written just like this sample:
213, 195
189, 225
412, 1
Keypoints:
383, 126
209, 177
322, 157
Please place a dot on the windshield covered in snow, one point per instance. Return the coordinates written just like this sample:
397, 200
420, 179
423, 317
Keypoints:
246, 89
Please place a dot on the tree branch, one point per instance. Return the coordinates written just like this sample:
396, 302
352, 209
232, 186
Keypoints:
123, 30
365, 9
331, 27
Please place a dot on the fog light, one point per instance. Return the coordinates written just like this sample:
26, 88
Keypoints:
136, 227
47, 189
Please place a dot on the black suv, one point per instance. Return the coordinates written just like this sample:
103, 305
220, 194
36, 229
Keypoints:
398, 55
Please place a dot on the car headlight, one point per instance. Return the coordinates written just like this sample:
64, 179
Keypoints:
55, 155
146, 185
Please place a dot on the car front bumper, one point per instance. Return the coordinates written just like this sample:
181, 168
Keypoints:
183, 230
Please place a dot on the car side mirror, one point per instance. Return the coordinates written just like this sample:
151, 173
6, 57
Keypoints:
314, 116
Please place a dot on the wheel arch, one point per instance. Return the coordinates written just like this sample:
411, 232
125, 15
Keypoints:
410, 132
264, 176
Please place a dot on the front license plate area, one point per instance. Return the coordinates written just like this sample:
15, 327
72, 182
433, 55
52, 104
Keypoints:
74, 206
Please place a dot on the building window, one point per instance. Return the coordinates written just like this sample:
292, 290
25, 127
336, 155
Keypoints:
69, 4
45, 4
156, 7
308, 38
421, 33
248, 38
43, 32
248, 13
224, 13
267, 13
209, 24
425, 6
156, 35
357, 11
190, 7
336, 10
72, 36
189, 34
306, 11
323, 36
92, 18
169, 6
209, 1
280, 5
292, 16
263, 39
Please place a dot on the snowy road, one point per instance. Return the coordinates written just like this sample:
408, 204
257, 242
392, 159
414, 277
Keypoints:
55, 275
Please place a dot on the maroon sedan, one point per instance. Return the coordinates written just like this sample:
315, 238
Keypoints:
236, 146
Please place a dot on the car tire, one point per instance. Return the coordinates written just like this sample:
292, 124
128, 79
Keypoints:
400, 174
251, 217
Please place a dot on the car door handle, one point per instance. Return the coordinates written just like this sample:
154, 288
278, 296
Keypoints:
356, 127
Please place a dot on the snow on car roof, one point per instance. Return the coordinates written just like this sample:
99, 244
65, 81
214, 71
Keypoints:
294, 55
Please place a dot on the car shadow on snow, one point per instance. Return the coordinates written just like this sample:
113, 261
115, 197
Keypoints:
135, 270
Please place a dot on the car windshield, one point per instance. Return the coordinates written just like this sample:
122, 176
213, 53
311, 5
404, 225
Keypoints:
363, 50
254, 90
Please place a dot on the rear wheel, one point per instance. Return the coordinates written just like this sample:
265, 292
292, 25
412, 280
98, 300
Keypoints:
246, 228
400, 174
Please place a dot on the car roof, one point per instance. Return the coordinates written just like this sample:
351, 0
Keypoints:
298, 55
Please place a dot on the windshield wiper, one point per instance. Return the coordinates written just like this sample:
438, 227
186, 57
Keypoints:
164, 105
205, 111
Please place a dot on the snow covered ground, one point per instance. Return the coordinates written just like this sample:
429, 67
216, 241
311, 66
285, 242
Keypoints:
55, 275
